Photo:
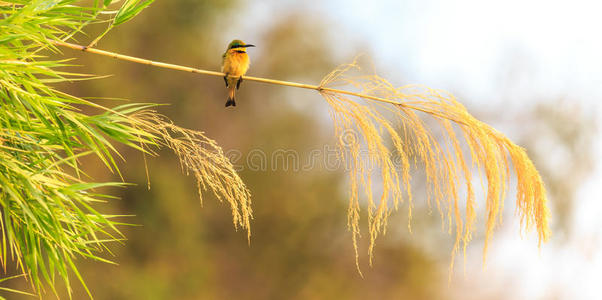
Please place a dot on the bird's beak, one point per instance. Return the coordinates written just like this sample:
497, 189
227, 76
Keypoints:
248, 45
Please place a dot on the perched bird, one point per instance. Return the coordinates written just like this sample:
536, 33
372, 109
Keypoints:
235, 63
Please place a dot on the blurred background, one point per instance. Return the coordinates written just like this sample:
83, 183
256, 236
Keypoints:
531, 69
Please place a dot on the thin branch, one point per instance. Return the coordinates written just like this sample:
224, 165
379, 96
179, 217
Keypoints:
318, 88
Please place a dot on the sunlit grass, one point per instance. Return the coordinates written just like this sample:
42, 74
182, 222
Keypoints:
205, 160
386, 114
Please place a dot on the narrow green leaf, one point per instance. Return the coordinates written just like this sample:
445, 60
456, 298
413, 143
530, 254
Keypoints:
130, 9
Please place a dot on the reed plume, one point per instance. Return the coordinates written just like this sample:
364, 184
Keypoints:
446, 166
204, 159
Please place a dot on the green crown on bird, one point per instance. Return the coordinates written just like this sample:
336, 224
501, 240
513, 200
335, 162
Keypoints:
235, 63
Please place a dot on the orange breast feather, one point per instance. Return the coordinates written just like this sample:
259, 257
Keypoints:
236, 64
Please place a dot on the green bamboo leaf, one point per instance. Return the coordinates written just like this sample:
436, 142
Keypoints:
44, 5
16, 292
93, 185
130, 9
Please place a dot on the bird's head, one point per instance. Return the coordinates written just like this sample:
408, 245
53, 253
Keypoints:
238, 46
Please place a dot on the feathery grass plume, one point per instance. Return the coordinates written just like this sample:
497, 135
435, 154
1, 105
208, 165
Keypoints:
392, 111
202, 157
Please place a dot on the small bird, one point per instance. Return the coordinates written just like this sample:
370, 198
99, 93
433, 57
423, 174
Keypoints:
235, 63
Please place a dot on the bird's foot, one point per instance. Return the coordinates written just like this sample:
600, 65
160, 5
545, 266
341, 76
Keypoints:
238, 83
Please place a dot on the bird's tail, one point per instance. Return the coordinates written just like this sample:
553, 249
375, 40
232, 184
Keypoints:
231, 96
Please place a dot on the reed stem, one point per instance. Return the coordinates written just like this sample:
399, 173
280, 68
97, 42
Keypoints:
248, 78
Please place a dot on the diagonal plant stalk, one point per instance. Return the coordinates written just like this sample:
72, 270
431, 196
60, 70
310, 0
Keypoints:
445, 166
249, 78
